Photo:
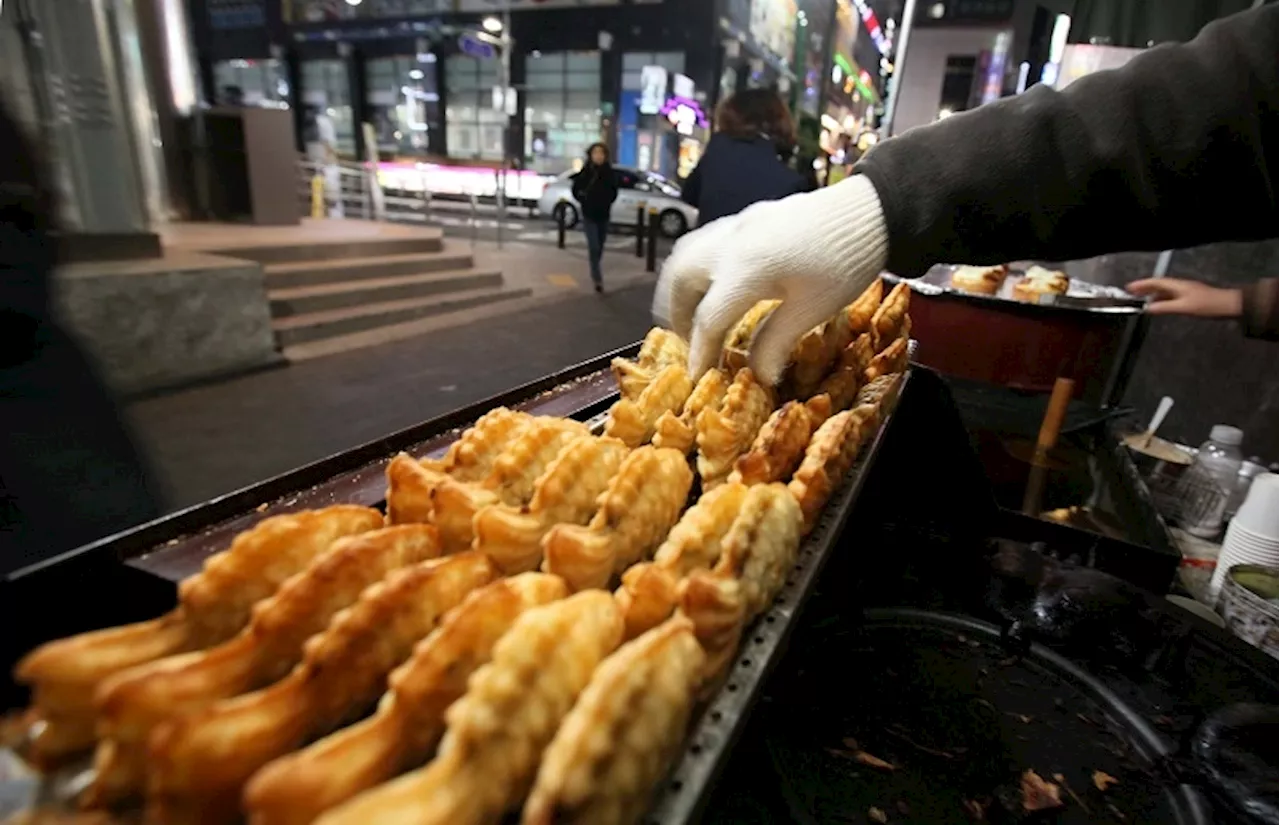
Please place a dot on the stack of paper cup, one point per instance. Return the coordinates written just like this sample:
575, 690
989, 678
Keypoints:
1253, 536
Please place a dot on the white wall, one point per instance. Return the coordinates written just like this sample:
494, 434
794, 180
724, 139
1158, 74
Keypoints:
926, 65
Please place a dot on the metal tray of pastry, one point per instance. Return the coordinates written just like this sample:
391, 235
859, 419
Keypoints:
1081, 295
720, 721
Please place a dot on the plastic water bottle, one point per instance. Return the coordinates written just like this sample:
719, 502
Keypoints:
1215, 470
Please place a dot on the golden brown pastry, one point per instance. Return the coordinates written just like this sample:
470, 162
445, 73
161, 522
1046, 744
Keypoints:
740, 337
565, 493
1038, 282
409, 488
648, 593
527, 456
660, 349
886, 324
892, 359
632, 421
403, 732
625, 728
815, 354
471, 457
983, 280
199, 763
641, 503
677, 432
714, 603
842, 385
762, 544
879, 392
498, 730
779, 447
131, 703
213, 606
454, 503
727, 432
827, 459
694, 542
860, 312
646, 597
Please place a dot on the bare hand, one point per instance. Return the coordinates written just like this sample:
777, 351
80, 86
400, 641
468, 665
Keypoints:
1173, 296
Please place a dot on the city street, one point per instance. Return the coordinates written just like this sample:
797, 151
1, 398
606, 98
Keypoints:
209, 440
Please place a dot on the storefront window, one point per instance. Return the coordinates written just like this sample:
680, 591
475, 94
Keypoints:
251, 83
473, 127
562, 108
404, 102
327, 97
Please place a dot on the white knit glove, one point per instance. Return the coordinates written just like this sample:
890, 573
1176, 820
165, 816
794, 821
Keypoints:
815, 251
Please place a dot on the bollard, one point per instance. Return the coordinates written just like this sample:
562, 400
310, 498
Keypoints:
317, 197
560, 225
651, 261
640, 230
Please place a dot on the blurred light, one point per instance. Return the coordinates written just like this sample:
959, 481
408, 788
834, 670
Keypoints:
886, 66
937, 10
426, 57
818, 164
1024, 69
416, 74
1058, 41
536, 53
331, 112
836, 74
944, 113
490, 24
830, 123
353, 2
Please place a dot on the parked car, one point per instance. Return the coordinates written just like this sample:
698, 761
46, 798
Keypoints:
634, 188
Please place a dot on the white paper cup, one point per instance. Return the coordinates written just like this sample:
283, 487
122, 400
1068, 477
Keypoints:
1259, 514
1251, 615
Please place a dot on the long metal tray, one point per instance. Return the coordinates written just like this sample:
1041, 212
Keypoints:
722, 719
174, 547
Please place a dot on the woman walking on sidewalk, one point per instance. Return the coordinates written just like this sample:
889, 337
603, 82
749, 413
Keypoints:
596, 188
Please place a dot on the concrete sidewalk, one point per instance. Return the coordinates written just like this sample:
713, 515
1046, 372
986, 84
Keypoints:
210, 440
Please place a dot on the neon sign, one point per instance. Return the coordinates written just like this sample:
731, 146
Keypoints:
873, 27
684, 113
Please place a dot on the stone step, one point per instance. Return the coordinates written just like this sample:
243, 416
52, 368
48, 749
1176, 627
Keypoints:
327, 271
314, 326
424, 242
319, 298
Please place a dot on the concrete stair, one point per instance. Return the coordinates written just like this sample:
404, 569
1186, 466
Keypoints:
333, 295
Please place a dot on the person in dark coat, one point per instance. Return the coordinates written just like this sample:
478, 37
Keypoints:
69, 473
595, 188
743, 161
1176, 148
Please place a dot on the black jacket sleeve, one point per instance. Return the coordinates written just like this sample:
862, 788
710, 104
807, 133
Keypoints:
691, 190
1174, 149
579, 185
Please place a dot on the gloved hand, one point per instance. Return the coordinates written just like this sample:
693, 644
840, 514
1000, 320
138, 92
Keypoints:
815, 251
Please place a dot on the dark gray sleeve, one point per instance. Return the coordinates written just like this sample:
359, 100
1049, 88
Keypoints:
1177, 148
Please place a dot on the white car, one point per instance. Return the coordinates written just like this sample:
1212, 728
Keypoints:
675, 217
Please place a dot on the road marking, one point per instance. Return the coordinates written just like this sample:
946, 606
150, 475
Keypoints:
562, 280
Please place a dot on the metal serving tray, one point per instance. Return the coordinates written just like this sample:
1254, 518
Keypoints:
171, 548
720, 721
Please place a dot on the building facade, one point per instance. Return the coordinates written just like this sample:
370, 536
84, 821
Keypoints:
430, 77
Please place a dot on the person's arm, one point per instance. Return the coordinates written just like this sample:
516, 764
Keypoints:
1174, 149
691, 189
1260, 310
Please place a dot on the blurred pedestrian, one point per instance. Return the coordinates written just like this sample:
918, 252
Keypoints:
69, 473
743, 162
595, 188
